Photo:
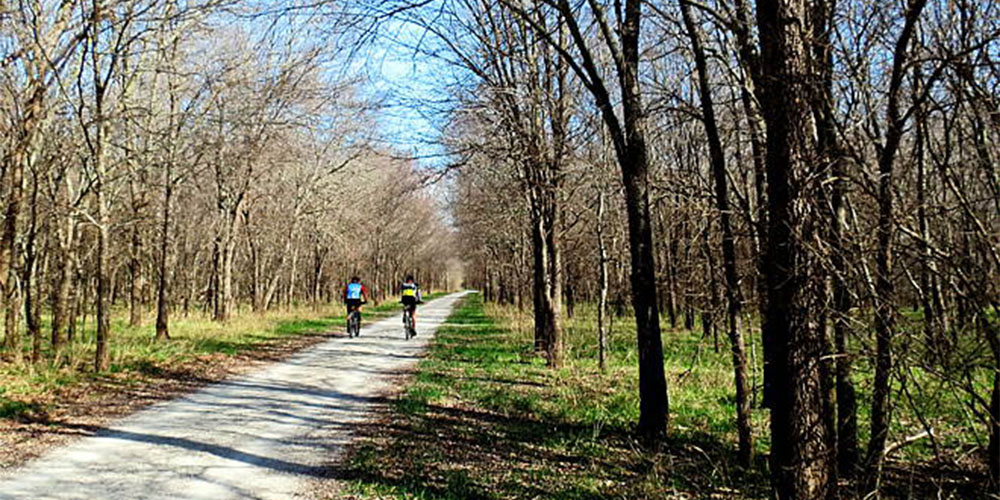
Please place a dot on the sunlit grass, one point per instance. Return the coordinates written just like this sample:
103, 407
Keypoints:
484, 395
504, 425
135, 354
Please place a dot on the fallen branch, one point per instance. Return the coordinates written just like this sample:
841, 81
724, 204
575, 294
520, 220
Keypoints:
908, 441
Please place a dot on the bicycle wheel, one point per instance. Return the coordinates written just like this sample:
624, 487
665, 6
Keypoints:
354, 325
408, 324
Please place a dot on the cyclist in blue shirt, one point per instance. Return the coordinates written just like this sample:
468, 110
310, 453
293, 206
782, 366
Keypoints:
354, 295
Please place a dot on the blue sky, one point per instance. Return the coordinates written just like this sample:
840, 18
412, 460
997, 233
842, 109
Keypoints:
411, 88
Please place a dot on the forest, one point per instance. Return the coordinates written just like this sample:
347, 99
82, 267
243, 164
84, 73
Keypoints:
809, 189
166, 157
815, 178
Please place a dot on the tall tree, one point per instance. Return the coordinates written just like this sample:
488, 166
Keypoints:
626, 125
885, 293
732, 280
801, 460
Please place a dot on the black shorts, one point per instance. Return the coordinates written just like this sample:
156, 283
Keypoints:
352, 304
409, 301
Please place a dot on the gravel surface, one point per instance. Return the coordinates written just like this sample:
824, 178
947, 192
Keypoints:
264, 435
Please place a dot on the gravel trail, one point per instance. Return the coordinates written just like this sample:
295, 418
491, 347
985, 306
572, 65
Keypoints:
264, 435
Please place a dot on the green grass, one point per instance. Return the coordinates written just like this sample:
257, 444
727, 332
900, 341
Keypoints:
483, 417
27, 391
10, 408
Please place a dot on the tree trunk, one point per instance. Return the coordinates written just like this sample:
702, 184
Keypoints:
885, 324
671, 268
32, 279
75, 303
847, 407
102, 358
653, 407
924, 276
541, 276
135, 275
61, 308
801, 461
570, 294
885, 290
628, 137
8, 247
12, 319
163, 285
749, 77
33, 307
689, 318
272, 288
228, 258
634, 163
602, 301
732, 281
553, 302
935, 316
215, 292
292, 274
225, 254
712, 305
35, 312
845, 437
317, 275
18, 159
256, 287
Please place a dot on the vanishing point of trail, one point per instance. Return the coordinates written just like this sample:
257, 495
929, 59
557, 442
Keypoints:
263, 435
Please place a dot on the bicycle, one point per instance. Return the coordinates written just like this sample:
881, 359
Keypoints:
408, 328
354, 323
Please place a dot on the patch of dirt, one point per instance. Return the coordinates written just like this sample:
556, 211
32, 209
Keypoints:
959, 473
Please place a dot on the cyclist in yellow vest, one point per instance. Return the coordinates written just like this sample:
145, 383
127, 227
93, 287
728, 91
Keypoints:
410, 292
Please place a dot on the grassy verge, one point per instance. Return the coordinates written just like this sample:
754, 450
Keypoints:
39, 403
483, 418
134, 353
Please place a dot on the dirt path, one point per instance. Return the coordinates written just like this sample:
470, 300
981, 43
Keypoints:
263, 435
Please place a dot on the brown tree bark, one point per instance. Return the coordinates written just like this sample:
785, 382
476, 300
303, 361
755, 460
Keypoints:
848, 454
12, 320
935, 315
102, 357
16, 162
542, 285
734, 301
602, 301
628, 135
801, 460
885, 290
163, 283
136, 282
33, 277
62, 316
749, 75
226, 297
554, 334
135, 279
836, 321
